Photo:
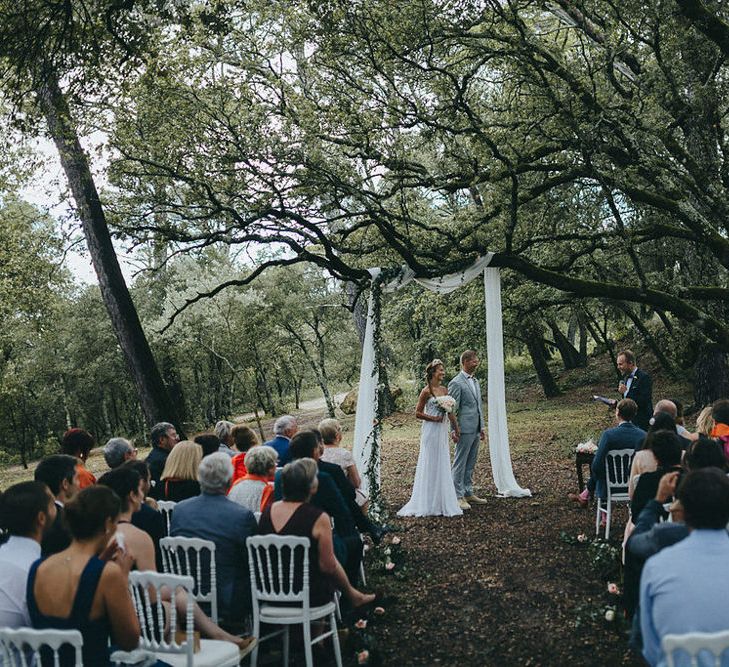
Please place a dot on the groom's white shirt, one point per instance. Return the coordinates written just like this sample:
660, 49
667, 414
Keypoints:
472, 383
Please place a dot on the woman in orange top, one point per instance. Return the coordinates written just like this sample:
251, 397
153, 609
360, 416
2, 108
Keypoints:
254, 490
244, 437
78, 443
720, 413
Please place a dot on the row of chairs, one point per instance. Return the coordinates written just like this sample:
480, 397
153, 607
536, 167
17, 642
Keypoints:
21, 647
275, 563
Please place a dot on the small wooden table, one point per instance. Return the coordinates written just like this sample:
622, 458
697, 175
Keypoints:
582, 459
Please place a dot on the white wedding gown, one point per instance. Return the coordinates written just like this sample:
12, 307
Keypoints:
433, 490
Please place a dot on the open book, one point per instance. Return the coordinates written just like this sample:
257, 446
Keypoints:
607, 401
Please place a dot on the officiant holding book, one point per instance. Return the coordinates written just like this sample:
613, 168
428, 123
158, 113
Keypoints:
636, 385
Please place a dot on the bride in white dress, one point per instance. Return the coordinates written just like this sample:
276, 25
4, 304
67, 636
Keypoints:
433, 491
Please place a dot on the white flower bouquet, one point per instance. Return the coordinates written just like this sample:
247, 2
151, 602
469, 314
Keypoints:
446, 403
588, 447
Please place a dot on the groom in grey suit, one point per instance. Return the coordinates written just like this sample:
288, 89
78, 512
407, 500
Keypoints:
466, 391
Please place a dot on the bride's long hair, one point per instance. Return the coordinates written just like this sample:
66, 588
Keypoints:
430, 372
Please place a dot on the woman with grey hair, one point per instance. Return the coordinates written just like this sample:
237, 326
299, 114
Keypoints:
255, 489
294, 515
118, 451
224, 431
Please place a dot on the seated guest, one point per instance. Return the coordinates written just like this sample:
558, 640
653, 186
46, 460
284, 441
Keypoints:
284, 428
148, 518
685, 587
118, 451
179, 478
85, 587
644, 460
164, 437
129, 487
244, 437
59, 473
623, 436
254, 490
720, 415
331, 435
27, 511
650, 536
295, 515
79, 443
704, 422
668, 408
209, 442
223, 429
212, 516
666, 447
681, 429
349, 493
347, 541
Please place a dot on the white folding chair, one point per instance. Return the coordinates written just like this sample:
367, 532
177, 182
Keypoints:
694, 643
617, 475
362, 574
213, 652
274, 562
166, 507
21, 647
195, 557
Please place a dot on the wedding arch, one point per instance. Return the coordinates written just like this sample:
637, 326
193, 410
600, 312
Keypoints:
368, 426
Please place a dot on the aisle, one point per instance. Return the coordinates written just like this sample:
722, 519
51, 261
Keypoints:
499, 586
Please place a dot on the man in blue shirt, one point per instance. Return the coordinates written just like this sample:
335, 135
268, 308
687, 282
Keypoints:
625, 435
284, 428
685, 587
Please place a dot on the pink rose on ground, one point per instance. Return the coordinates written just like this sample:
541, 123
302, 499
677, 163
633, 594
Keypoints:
379, 611
389, 566
582, 537
396, 540
613, 589
361, 624
363, 657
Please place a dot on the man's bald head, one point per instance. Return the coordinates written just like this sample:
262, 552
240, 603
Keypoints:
669, 407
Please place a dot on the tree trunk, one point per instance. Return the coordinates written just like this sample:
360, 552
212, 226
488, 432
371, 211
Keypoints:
536, 351
262, 384
711, 376
358, 306
570, 356
153, 395
649, 339
603, 341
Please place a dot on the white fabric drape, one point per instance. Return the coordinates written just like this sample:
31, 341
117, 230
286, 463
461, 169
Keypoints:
366, 403
499, 449
498, 432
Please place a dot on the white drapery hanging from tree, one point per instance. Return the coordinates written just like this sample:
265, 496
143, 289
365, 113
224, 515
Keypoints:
366, 448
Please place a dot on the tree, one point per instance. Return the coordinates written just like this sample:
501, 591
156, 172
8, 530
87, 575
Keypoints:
586, 151
39, 48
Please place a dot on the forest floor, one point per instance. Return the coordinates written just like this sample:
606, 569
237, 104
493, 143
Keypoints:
508, 583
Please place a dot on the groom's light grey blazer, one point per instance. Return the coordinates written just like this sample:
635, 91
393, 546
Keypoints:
467, 394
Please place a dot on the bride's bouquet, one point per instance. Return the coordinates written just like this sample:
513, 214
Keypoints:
446, 403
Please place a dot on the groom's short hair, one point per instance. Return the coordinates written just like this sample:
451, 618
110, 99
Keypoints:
467, 355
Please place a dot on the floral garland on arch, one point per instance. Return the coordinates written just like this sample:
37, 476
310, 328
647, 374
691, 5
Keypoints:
374, 437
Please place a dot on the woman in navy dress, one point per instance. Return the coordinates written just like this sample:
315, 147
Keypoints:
85, 587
